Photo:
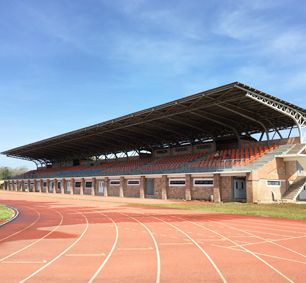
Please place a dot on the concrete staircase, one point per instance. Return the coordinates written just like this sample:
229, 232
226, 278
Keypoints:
296, 149
294, 189
268, 157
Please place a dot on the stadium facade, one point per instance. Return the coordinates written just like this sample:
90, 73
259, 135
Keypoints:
231, 143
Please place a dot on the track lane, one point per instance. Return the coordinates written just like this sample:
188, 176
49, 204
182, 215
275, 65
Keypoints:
282, 276
40, 269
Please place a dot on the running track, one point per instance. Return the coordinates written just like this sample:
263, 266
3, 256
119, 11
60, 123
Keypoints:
66, 239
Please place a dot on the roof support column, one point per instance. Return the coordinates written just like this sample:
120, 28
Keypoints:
142, 187
41, 181
188, 185
106, 186
72, 183
55, 186
82, 186
63, 186
121, 187
216, 189
48, 186
164, 186
94, 186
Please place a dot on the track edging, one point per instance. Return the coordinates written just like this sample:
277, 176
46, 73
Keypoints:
16, 214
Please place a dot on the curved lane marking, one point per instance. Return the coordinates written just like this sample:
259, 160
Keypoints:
242, 247
110, 252
198, 246
61, 254
158, 272
264, 239
25, 228
38, 240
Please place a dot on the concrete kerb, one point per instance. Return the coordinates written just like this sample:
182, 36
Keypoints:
16, 214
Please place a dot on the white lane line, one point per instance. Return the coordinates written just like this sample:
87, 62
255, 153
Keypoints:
35, 242
261, 238
100, 254
277, 240
155, 245
110, 252
61, 254
25, 228
263, 228
273, 223
238, 245
262, 254
196, 244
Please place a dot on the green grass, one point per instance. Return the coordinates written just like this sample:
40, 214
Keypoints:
5, 213
288, 211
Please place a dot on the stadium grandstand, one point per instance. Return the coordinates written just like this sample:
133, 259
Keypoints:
230, 143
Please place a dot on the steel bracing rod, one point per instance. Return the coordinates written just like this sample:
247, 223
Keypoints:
142, 121
177, 121
298, 117
220, 123
247, 117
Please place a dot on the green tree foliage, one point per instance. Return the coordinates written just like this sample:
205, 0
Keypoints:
6, 172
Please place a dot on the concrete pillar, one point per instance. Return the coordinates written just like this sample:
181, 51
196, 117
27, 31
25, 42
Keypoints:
216, 189
94, 186
55, 186
29, 185
5, 185
142, 187
35, 186
82, 186
17, 185
63, 186
41, 181
48, 185
188, 184
121, 187
164, 187
72, 186
251, 186
22, 185
106, 186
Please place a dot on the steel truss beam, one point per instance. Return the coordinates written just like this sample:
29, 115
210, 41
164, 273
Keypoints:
298, 117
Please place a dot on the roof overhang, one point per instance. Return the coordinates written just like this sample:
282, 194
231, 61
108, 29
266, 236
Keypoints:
229, 110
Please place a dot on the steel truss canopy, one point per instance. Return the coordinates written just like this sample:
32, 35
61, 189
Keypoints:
230, 110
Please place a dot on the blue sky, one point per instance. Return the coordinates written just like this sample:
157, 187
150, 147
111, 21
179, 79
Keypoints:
66, 64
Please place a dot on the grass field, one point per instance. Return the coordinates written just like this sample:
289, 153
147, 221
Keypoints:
289, 211
5, 213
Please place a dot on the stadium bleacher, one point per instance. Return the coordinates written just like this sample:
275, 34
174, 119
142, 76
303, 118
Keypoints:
225, 158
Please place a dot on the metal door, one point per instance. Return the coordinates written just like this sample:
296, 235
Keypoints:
302, 194
68, 187
149, 186
239, 189
101, 187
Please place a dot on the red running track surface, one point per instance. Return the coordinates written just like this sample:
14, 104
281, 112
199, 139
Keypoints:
68, 239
